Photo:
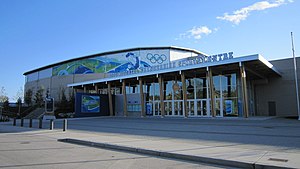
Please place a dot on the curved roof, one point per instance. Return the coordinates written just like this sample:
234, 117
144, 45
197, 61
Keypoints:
113, 52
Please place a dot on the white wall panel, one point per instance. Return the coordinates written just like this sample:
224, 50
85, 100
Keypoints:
176, 54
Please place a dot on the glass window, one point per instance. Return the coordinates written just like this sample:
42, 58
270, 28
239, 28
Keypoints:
216, 81
177, 88
117, 91
201, 88
137, 89
178, 95
168, 90
150, 87
127, 88
103, 91
233, 79
156, 91
190, 89
230, 105
229, 86
149, 91
217, 87
229, 91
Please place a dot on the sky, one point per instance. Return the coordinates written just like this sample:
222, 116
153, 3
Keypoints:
36, 33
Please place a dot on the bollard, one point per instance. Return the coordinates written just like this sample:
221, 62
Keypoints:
22, 122
30, 123
65, 125
51, 124
40, 123
15, 122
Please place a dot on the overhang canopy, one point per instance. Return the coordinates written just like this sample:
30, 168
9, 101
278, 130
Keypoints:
255, 64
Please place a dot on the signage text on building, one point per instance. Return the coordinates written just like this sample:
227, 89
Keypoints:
200, 59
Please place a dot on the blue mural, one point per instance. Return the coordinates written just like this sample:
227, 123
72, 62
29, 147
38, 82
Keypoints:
110, 64
133, 63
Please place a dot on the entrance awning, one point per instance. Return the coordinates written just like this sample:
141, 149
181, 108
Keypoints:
255, 64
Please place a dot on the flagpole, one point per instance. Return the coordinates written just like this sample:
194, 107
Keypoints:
296, 77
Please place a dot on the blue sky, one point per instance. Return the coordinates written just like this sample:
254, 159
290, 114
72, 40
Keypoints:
35, 33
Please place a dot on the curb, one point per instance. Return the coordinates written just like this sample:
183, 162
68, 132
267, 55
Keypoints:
171, 155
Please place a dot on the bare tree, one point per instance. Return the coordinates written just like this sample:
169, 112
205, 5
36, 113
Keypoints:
19, 95
3, 95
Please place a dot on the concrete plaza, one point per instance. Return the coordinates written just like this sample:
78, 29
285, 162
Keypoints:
245, 143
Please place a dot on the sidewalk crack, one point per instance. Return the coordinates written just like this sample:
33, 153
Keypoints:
259, 159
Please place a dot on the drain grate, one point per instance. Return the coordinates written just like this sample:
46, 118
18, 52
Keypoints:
278, 159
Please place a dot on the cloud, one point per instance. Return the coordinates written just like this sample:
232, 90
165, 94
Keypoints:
243, 13
196, 32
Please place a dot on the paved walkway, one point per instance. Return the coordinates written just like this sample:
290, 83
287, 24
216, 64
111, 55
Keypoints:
259, 143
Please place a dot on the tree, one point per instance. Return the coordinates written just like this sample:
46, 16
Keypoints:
28, 97
72, 101
64, 106
19, 94
6, 105
38, 97
19, 103
63, 102
3, 95
63, 98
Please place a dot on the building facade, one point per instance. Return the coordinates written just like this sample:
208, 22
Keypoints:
171, 81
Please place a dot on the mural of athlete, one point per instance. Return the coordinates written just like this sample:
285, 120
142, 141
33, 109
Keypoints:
134, 63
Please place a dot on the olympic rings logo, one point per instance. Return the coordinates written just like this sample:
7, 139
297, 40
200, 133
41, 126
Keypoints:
156, 58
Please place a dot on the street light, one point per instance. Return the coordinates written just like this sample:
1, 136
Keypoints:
296, 77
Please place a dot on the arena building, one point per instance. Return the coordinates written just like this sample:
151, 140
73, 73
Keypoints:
171, 81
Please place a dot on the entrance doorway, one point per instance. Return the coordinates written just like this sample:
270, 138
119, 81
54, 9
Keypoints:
198, 108
178, 108
198, 97
156, 108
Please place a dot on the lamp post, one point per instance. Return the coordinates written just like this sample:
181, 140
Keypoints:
296, 77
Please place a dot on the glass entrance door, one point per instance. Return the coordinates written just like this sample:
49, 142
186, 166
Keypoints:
178, 108
168, 107
202, 107
198, 97
156, 108
191, 107
219, 106
198, 108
